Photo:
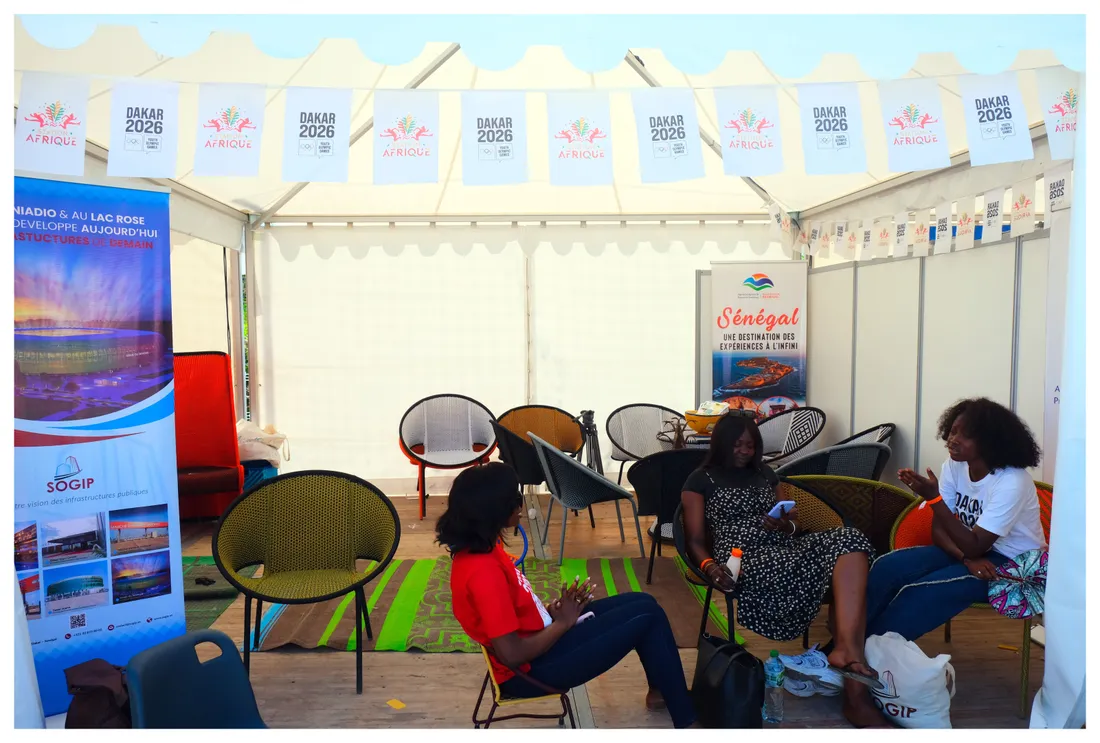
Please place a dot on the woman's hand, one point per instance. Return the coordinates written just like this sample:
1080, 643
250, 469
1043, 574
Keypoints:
926, 487
980, 567
783, 523
570, 605
720, 575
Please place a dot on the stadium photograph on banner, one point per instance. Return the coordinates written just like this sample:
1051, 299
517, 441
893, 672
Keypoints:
141, 577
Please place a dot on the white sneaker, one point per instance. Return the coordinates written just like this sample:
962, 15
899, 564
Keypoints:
813, 666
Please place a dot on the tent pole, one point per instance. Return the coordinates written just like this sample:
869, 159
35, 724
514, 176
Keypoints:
359, 133
253, 303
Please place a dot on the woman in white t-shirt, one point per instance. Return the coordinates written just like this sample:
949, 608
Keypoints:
985, 511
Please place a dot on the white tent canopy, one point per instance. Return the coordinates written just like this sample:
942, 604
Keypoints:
118, 52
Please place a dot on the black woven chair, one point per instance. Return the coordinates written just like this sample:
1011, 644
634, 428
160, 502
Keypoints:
872, 507
880, 434
307, 530
658, 481
445, 432
700, 578
862, 461
577, 488
633, 431
790, 432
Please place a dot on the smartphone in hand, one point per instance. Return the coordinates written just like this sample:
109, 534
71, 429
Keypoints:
781, 508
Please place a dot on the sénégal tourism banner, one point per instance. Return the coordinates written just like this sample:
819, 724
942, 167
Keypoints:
759, 330
97, 540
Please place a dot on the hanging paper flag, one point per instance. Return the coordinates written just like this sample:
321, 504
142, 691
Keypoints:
996, 120
844, 240
1059, 96
494, 138
144, 130
1059, 188
825, 239
1023, 208
50, 128
316, 134
964, 225
669, 146
993, 216
803, 239
406, 137
903, 236
749, 120
832, 129
884, 238
781, 225
580, 139
229, 129
943, 228
922, 233
864, 247
814, 238
916, 134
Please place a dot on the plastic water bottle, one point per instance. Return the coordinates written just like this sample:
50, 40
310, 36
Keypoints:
773, 689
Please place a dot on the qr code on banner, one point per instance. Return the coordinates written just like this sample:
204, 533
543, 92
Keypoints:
78, 621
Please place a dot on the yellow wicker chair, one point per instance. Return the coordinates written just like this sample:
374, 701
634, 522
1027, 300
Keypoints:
914, 529
307, 529
500, 701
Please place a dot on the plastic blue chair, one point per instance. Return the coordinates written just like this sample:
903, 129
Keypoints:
171, 689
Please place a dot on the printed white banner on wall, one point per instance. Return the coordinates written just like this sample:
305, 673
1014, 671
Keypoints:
965, 223
315, 135
832, 129
669, 146
993, 216
884, 238
229, 129
494, 138
144, 130
580, 139
1023, 208
1059, 94
406, 137
50, 125
996, 120
903, 236
922, 233
751, 141
1059, 188
916, 133
943, 228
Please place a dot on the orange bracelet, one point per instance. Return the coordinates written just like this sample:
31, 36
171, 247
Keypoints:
932, 502
706, 562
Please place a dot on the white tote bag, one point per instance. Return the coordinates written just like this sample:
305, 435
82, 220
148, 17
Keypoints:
918, 689
261, 444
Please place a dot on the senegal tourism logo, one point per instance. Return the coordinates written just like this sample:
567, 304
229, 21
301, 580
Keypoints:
1066, 107
54, 116
405, 136
229, 127
748, 131
580, 141
758, 282
52, 125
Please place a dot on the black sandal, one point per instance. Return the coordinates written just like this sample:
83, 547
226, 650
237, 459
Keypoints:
869, 681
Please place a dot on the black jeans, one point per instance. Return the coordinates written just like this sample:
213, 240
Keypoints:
629, 621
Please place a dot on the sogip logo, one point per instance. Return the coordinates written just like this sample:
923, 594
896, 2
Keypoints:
758, 282
67, 477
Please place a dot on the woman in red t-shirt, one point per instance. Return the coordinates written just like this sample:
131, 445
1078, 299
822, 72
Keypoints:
496, 607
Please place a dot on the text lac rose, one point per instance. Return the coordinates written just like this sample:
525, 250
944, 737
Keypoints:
769, 321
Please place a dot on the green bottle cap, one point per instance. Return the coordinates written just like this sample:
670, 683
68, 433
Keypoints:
775, 654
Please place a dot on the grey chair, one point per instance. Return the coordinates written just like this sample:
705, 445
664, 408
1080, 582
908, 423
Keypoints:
633, 431
863, 461
880, 434
790, 432
577, 487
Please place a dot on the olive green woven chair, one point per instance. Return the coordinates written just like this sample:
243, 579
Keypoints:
307, 529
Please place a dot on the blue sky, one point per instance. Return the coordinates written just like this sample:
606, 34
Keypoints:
790, 45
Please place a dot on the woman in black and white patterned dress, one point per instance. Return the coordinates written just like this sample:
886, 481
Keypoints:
784, 572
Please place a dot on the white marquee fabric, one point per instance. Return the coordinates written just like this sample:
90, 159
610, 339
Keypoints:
116, 52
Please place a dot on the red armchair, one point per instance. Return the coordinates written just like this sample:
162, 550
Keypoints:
207, 459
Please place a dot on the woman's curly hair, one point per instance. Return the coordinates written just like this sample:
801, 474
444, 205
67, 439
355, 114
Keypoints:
1003, 439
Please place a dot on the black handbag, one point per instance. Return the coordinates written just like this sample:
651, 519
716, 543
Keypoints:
729, 685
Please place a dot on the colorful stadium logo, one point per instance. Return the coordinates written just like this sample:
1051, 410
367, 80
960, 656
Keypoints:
758, 282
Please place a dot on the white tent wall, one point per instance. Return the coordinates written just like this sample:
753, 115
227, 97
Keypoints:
200, 312
352, 326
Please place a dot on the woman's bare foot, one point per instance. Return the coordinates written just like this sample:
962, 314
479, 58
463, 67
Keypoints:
859, 709
654, 700
845, 659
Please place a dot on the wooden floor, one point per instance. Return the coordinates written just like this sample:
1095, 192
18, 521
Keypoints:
316, 689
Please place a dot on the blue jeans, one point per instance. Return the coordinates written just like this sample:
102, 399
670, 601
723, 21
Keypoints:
629, 621
915, 590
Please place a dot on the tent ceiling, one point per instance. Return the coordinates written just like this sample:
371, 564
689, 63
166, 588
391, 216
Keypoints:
114, 52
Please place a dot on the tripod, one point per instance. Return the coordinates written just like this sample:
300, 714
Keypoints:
591, 448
